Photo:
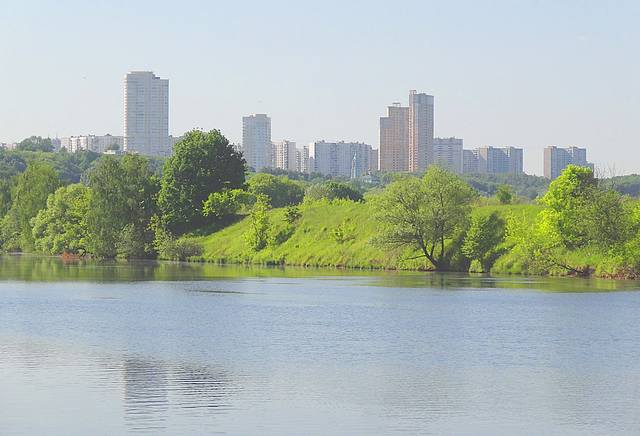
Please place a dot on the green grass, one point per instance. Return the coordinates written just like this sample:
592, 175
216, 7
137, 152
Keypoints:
313, 243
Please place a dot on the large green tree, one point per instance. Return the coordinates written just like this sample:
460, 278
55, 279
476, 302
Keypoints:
62, 226
279, 189
36, 143
122, 204
202, 163
29, 195
424, 213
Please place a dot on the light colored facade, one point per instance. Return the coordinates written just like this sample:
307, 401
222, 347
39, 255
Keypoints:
469, 161
256, 141
447, 153
556, 159
284, 155
420, 131
303, 162
146, 114
394, 139
95, 143
341, 159
493, 160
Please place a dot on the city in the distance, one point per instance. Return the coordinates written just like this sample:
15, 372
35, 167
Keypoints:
406, 141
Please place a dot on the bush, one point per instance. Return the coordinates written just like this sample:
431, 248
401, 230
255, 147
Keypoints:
332, 191
280, 191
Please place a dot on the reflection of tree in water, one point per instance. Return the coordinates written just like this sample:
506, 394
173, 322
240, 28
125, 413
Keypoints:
154, 389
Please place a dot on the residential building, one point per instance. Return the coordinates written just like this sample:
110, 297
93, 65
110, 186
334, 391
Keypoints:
556, 159
95, 143
284, 155
469, 161
341, 159
373, 160
499, 160
493, 160
146, 114
447, 153
420, 131
256, 141
394, 139
303, 162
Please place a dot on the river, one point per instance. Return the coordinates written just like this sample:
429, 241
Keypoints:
171, 348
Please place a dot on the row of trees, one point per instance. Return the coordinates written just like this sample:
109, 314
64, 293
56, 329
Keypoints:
121, 206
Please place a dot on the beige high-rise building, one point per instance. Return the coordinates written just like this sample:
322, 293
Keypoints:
256, 141
394, 139
420, 131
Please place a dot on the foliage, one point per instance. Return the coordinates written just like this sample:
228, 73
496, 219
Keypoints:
332, 190
257, 236
124, 193
424, 213
29, 196
523, 185
344, 232
227, 203
481, 241
504, 194
202, 163
61, 227
280, 190
292, 214
35, 143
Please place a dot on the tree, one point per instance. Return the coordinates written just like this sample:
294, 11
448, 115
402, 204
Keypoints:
424, 213
332, 191
504, 194
280, 190
62, 227
227, 203
257, 237
202, 163
482, 238
566, 202
123, 194
29, 196
35, 143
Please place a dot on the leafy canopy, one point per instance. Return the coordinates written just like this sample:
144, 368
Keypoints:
202, 163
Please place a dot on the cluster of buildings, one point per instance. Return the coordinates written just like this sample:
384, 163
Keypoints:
406, 142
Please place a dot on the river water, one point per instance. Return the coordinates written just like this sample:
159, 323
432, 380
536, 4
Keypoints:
200, 349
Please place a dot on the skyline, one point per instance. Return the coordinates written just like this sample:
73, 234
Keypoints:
531, 76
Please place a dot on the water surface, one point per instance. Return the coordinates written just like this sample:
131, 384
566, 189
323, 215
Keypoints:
163, 348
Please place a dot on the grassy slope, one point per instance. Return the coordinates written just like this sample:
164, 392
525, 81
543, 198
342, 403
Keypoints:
313, 243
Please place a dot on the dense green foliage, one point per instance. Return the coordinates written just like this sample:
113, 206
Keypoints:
482, 241
122, 204
62, 226
280, 191
522, 185
202, 163
29, 196
36, 143
332, 190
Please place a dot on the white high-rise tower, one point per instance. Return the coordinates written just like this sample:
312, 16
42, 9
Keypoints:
146, 114
256, 141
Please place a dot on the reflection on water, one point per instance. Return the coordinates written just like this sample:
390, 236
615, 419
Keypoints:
104, 349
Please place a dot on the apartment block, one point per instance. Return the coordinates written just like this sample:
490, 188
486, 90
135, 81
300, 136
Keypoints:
256, 141
303, 163
146, 114
394, 139
95, 143
284, 155
447, 153
341, 159
494, 160
556, 159
420, 131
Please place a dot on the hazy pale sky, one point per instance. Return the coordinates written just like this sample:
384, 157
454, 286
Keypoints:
523, 73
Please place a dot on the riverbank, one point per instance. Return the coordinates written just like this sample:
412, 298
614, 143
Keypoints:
329, 234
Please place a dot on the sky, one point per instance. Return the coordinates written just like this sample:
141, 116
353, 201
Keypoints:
524, 73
